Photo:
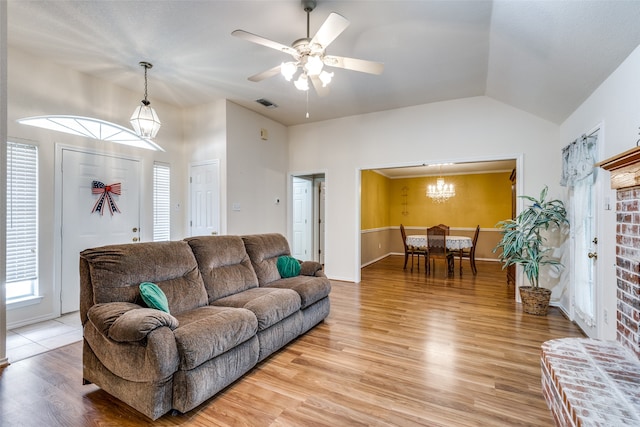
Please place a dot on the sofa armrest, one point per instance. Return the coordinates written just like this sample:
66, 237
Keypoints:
310, 268
127, 322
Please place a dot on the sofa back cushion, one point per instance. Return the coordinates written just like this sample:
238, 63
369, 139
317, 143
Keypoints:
115, 273
264, 250
224, 265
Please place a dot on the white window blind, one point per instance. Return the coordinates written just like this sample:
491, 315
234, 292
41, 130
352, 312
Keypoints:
22, 217
161, 202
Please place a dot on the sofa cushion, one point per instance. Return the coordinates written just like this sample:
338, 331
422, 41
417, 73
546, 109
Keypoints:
116, 271
207, 332
264, 250
310, 288
224, 265
269, 305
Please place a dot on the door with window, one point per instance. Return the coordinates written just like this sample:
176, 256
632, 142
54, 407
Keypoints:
87, 224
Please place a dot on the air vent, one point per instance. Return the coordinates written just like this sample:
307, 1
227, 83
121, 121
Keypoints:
266, 103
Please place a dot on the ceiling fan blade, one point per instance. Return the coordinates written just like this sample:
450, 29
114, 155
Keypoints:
354, 64
265, 74
264, 42
332, 27
317, 85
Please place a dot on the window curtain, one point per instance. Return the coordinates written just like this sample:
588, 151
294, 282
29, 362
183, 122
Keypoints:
578, 173
578, 159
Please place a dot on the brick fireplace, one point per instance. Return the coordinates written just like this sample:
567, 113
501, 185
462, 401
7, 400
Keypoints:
625, 178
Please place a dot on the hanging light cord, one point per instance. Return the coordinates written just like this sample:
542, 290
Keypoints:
146, 66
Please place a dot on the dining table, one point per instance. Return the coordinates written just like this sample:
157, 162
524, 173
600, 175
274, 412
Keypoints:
454, 243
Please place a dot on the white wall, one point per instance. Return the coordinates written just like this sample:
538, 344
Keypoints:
616, 106
3, 194
205, 139
252, 170
37, 88
256, 173
476, 128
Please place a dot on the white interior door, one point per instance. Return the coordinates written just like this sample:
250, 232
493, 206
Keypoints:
301, 209
205, 199
82, 228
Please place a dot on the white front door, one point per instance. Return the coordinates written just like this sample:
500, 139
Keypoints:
205, 199
82, 228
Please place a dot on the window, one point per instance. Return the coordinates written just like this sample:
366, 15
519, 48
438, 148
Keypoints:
22, 221
161, 202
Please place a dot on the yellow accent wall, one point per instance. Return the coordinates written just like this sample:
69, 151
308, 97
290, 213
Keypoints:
375, 200
481, 199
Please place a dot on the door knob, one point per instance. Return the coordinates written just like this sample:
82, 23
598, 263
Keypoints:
135, 239
135, 229
593, 255
214, 233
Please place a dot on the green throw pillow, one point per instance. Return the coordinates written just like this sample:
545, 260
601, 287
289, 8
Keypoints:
288, 266
153, 296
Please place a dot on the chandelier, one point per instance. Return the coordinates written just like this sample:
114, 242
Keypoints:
144, 119
440, 192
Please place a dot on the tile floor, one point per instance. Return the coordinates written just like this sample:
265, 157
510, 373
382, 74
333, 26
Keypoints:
27, 341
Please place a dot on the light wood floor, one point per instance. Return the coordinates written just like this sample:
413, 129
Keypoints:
400, 349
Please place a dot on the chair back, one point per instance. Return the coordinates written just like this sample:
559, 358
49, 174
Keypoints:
475, 236
404, 237
475, 242
444, 227
437, 240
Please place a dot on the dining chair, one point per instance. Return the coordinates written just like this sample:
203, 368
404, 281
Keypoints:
445, 227
411, 250
471, 252
437, 247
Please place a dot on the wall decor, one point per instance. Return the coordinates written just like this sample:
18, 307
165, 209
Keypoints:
105, 192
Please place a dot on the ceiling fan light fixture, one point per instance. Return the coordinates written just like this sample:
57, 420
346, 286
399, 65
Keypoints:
325, 78
313, 65
145, 120
288, 69
302, 83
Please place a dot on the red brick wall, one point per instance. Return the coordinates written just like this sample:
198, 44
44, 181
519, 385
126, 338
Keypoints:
628, 268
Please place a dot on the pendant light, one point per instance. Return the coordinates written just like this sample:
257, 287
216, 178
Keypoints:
144, 119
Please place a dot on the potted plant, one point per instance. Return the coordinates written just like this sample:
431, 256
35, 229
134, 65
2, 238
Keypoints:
523, 243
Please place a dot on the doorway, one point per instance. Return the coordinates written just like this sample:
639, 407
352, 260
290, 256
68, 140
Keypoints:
308, 194
87, 224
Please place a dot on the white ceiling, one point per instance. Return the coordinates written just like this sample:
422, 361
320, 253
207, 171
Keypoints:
544, 57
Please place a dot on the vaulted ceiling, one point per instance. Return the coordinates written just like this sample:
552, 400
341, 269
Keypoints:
544, 57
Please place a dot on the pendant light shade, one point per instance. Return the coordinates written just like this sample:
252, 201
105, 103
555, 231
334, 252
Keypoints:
145, 120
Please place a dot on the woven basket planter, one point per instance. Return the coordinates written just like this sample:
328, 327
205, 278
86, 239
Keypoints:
535, 300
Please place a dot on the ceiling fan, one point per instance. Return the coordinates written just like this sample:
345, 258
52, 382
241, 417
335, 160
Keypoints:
309, 57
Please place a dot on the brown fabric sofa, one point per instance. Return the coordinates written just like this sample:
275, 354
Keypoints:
223, 318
